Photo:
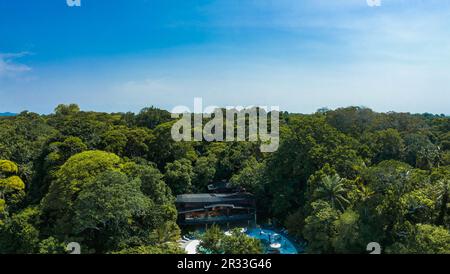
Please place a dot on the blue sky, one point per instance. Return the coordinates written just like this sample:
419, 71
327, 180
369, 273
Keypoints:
122, 55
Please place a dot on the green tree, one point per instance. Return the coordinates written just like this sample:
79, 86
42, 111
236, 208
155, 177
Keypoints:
347, 238
440, 178
421, 152
108, 209
54, 155
204, 172
426, 239
352, 120
240, 243
320, 227
214, 241
332, 189
70, 179
179, 176
163, 149
308, 143
167, 232
22, 138
52, 246
295, 223
11, 186
250, 177
67, 109
152, 183
171, 248
387, 145
19, 234
127, 142
152, 117
231, 157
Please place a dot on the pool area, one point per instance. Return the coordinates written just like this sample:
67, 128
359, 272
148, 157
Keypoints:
274, 243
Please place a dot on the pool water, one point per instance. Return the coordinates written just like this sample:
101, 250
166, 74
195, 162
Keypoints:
270, 237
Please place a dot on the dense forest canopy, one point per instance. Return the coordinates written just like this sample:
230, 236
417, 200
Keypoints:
339, 180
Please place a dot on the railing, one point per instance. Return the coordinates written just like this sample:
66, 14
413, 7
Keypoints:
219, 219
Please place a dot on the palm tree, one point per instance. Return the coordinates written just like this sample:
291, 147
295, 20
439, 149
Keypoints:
165, 233
366, 193
332, 189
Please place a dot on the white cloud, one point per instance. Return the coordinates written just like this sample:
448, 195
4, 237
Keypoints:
9, 67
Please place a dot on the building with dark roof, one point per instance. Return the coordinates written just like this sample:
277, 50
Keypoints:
204, 209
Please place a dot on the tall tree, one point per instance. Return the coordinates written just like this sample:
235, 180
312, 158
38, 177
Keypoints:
332, 189
11, 186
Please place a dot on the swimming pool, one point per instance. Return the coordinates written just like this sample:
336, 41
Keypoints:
273, 241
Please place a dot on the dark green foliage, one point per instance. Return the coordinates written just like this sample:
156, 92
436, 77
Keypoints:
319, 229
424, 239
339, 180
214, 241
152, 183
109, 209
19, 233
152, 117
204, 172
179, 176
163, 149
